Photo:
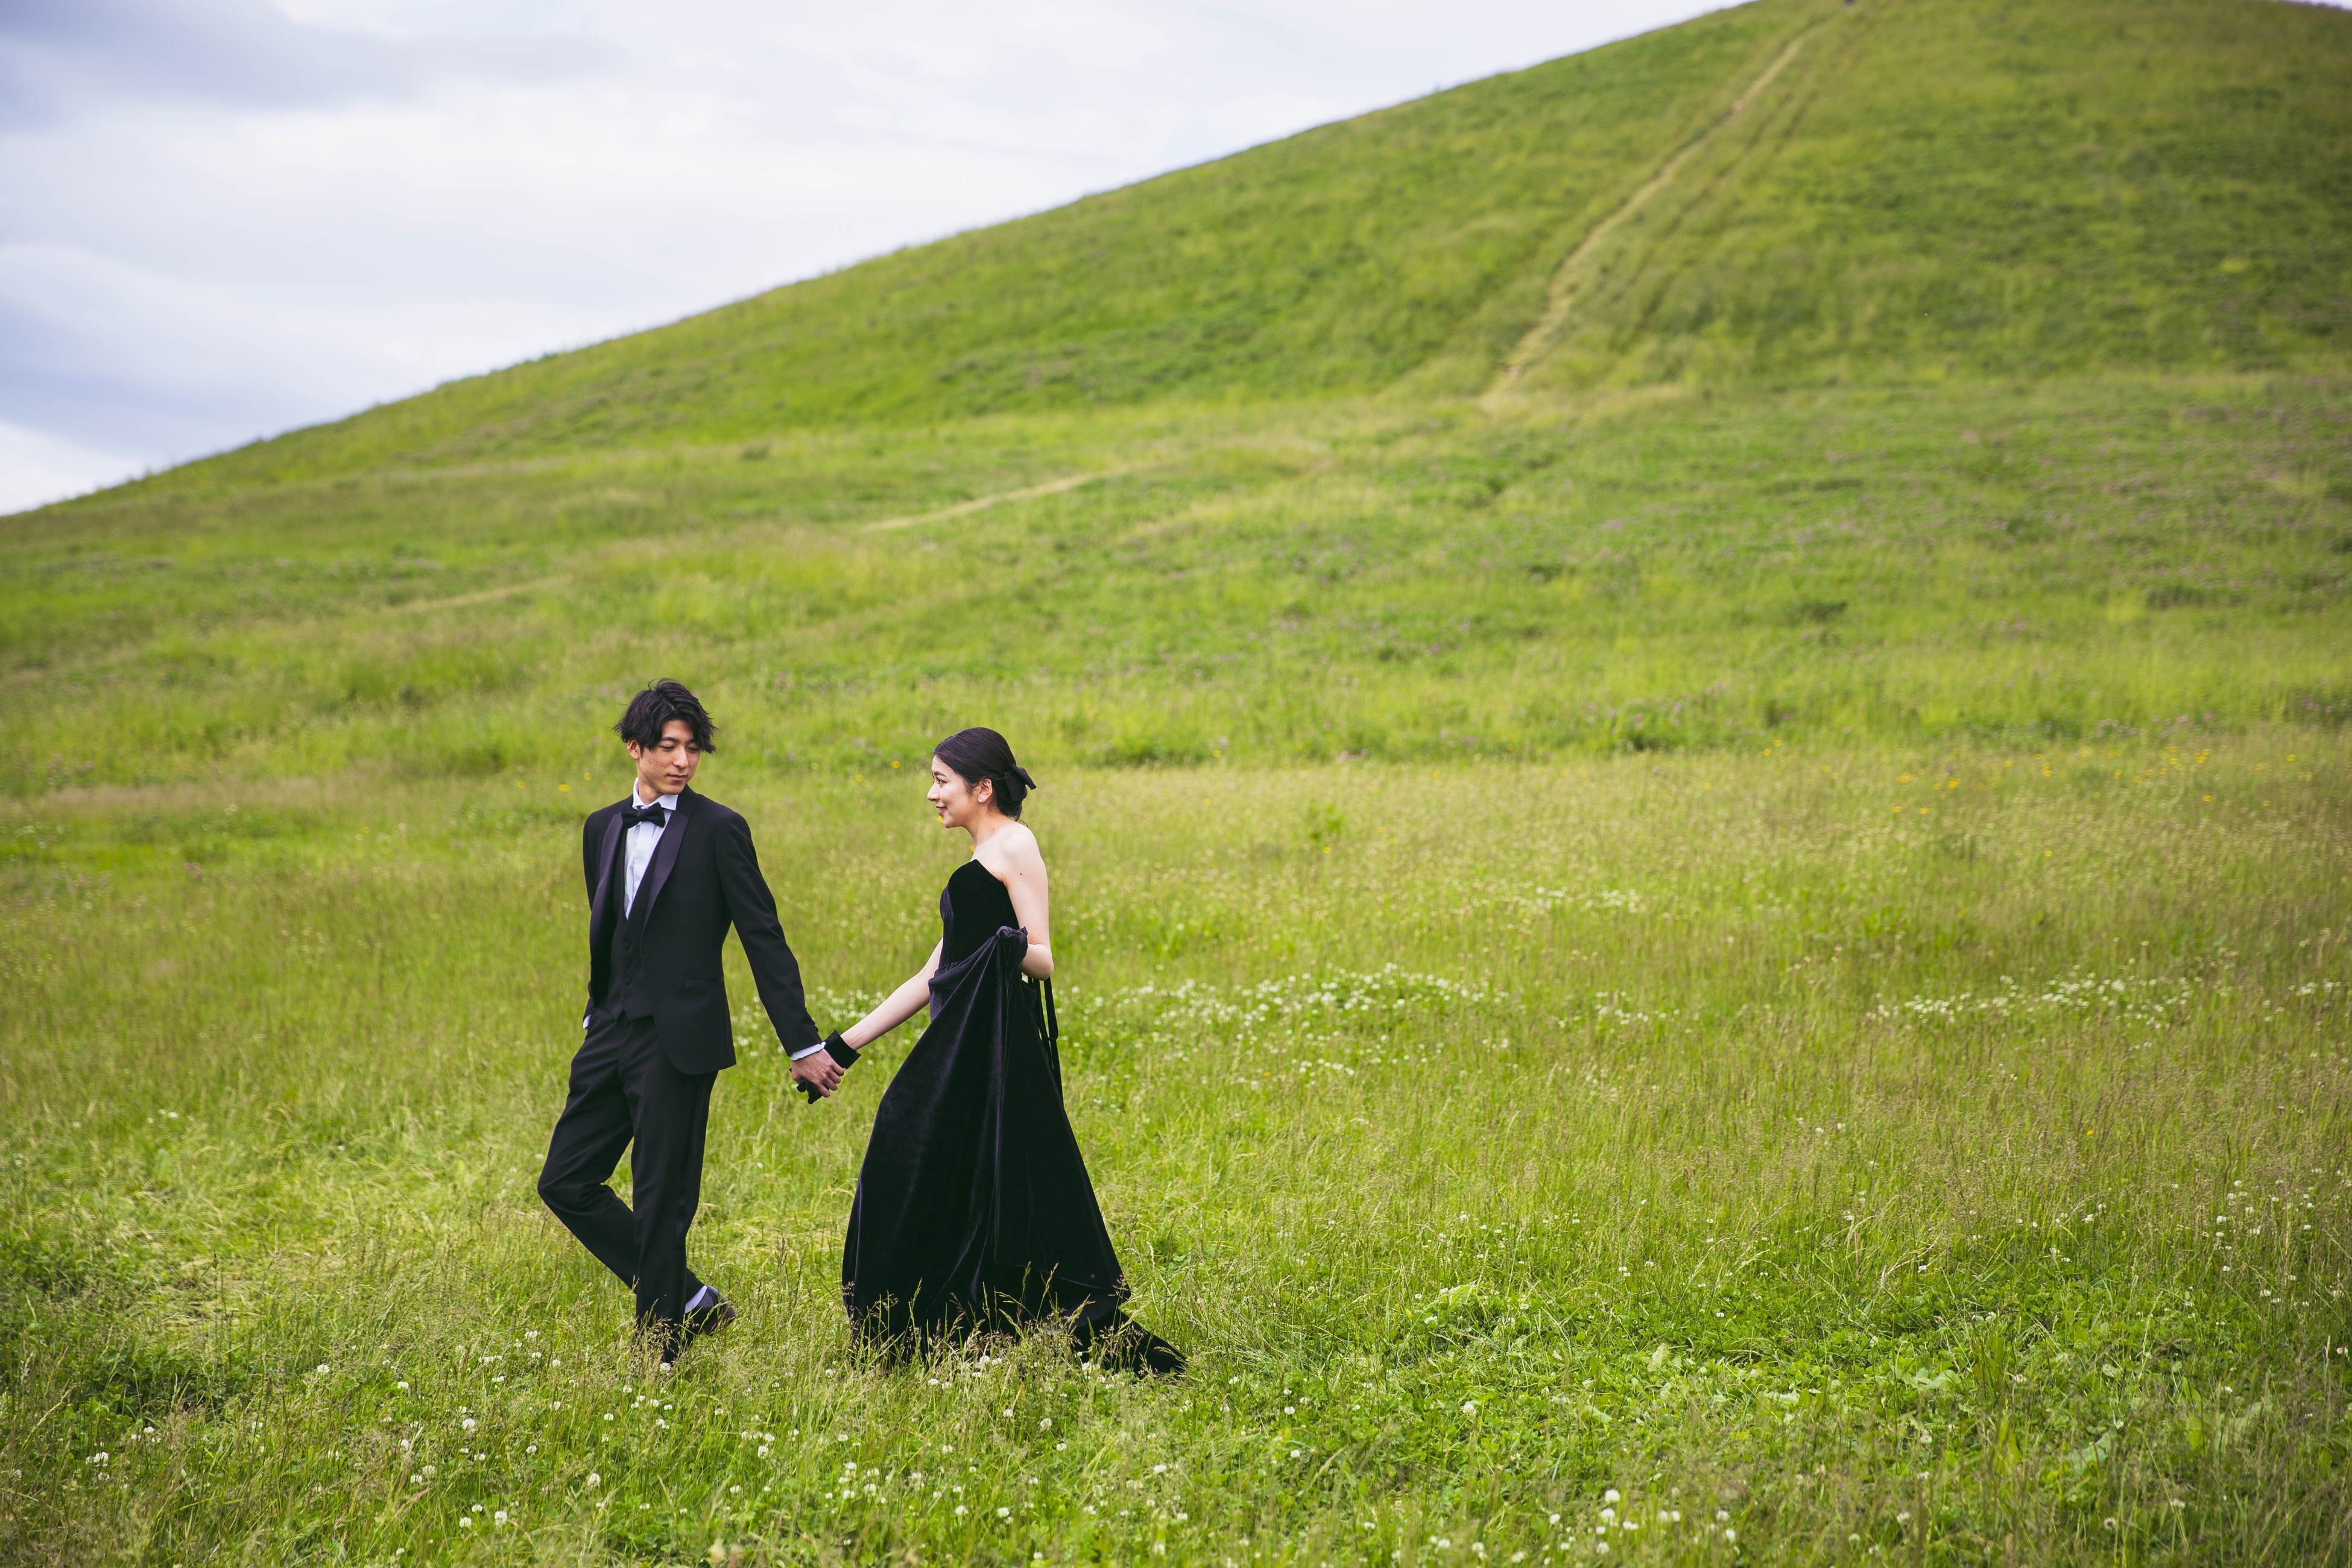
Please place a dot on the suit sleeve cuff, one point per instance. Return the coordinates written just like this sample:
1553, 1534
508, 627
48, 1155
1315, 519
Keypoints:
808, 1050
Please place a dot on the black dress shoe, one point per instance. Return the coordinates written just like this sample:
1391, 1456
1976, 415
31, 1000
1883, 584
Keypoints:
708, 1319
701, 1321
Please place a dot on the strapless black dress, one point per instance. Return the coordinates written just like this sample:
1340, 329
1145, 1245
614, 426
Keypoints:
973, 1209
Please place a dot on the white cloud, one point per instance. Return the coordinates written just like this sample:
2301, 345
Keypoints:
36, 467
220, 218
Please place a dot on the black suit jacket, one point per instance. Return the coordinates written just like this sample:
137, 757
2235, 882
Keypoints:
704, 878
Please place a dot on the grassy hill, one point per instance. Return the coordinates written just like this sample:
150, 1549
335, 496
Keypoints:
1840, 371
1958, 563
1921, 190
1691, 706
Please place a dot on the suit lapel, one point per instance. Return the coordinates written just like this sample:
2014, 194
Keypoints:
613, 831
665, 857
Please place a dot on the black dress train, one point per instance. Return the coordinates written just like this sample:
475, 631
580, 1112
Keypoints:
973, 1209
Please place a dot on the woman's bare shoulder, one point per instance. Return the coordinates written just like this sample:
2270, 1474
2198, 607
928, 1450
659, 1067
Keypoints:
1012, 853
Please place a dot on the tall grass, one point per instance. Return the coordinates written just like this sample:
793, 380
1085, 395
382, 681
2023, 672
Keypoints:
1570, 577
1833, 1154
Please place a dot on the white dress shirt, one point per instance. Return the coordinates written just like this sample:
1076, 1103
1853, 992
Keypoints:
638, 854
644, 839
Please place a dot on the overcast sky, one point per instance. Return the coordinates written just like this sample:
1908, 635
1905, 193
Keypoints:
225, 218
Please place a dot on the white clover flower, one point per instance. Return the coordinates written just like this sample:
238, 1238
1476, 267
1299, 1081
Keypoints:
593, 1478
1608, 1496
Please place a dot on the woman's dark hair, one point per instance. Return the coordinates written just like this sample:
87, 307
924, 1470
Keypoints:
977, 755
655, 706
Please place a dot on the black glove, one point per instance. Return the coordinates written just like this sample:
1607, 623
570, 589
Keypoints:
840, 1051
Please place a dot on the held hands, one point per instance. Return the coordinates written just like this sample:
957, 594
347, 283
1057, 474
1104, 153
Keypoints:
819, 1071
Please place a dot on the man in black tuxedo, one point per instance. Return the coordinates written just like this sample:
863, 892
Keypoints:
668, 872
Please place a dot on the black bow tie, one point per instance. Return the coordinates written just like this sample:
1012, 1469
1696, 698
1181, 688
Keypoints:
654, 815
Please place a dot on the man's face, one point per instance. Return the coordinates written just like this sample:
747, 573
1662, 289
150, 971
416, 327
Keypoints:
668, 766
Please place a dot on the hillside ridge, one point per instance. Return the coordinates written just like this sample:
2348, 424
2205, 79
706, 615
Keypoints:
1788, 192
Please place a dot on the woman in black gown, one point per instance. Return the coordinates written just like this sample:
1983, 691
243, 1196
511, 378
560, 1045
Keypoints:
973, 1209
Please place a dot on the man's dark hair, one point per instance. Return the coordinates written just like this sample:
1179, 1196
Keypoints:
651, 711
980, 753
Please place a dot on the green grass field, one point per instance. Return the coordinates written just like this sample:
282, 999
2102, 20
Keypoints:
1692, 709
1575, 576
1936, 1155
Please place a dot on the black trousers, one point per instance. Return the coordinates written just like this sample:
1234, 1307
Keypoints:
624, 1088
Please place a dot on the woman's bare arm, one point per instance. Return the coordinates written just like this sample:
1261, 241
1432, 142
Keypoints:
896, 1009
1015, 860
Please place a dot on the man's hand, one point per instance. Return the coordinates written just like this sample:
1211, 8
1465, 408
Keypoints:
819, 1071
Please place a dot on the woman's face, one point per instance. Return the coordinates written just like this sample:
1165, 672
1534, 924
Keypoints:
954, 798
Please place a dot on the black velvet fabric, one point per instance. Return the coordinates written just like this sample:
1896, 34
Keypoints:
974, 1208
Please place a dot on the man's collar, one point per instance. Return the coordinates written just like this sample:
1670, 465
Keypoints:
666, 801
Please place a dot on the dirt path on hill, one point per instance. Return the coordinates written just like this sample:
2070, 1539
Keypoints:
1565, 277
980, 503
12, 680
